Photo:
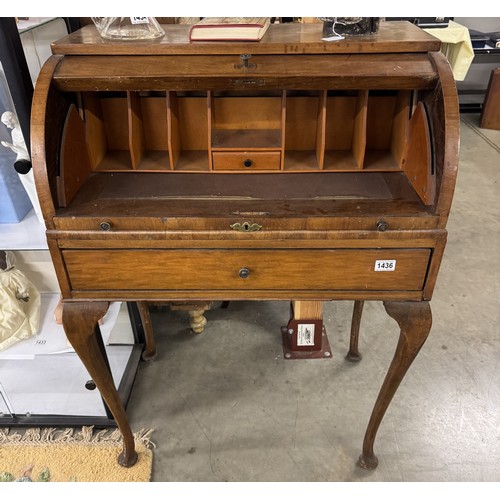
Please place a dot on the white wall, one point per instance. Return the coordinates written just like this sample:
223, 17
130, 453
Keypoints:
484, 24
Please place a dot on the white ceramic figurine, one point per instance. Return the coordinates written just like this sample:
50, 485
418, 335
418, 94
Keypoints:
9, 119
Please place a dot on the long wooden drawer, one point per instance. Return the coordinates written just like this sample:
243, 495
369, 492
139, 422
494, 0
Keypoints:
247, 160
242, 269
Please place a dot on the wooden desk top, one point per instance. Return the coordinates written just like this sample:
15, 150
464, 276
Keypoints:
393, 36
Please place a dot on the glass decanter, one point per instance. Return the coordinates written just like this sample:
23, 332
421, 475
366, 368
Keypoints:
128, 28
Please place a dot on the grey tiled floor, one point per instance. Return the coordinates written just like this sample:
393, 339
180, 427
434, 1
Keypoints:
226, 406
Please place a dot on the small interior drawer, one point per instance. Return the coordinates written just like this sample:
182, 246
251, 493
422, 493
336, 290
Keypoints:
246, 160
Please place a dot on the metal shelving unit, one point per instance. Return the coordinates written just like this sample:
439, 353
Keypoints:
29, 235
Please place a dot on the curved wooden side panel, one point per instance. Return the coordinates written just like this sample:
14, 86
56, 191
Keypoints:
48, 113
417, 162
75, 166
443, 109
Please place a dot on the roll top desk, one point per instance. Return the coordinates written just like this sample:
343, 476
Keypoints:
286, 169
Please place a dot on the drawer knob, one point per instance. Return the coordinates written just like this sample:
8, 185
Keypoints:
105, 225
246, 62
90, 385
248, 163
244, 272
382, 225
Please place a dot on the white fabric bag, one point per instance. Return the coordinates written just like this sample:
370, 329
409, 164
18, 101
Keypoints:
19, 304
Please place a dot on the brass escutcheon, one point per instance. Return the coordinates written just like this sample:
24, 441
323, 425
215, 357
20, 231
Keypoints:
246, 226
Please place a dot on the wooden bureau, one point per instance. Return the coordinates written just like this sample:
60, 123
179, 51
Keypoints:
310, 171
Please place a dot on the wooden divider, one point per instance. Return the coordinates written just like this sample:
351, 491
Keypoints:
292, 132
94, 129
135, 129
359, 137
174, 138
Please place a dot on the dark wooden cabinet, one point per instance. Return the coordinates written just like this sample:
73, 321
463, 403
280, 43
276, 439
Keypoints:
319, 171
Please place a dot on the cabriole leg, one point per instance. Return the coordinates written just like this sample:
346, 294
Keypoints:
354, 355
415, 320
79, 322
150, 343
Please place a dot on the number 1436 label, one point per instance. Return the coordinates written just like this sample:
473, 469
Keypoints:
385, 265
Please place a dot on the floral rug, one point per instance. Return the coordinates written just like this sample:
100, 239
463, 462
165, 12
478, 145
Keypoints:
63, 455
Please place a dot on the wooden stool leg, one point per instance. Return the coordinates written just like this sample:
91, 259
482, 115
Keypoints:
150, 344
354, 355
79, 322
197, 320
415, 320
196, 311
304, 337
307, 309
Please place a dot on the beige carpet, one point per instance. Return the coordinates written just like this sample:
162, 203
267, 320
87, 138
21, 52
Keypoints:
61, 455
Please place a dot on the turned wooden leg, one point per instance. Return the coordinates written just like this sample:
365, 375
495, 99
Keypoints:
197, 320
354, 354
150, 344
196, 311
415, 320
79, 322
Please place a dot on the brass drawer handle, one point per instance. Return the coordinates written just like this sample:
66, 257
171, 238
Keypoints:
246, 62
382, 225
246, 227
244, 273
